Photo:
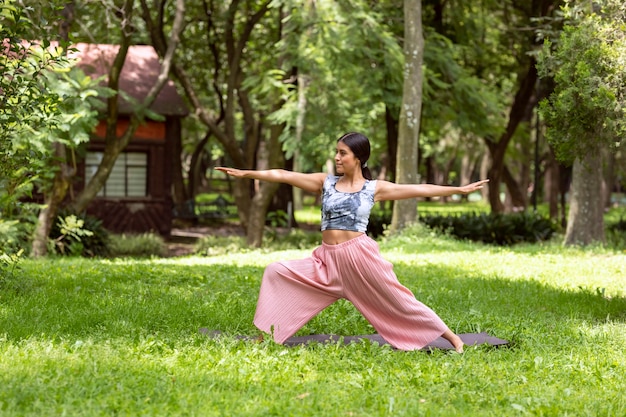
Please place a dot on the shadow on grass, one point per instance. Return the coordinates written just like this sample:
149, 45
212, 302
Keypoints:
101, 300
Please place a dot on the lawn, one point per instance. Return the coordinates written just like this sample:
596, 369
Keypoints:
87, 337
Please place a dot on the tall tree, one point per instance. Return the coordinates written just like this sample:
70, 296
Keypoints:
405, 211
241, 81
585, 113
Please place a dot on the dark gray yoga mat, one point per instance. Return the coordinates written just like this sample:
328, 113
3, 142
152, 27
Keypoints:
470, 339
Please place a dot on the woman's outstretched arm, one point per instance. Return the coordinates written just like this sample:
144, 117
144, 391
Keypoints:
386, 190
308, 182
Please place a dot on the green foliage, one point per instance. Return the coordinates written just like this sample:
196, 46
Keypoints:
9, 263
587, 109
278, 218
9, 235
379, 221
80, 235
70, 237
499, 229
616, 234
25, 103
16, 234
137, 246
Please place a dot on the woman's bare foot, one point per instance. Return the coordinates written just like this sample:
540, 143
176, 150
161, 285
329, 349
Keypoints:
456, 341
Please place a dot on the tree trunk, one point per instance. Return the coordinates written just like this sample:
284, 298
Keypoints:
551, 185
64, 174
284, 197
179, 192
52, 201
519, 113
302, 85
266, 190
405, 211
517, 193
585, 223
193, 176
112, 149
391, 123
467, 168
608, 178
484, 173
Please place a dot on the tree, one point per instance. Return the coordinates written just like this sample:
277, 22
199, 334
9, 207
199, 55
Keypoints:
77, 119
114, 145
405, 211
586, 112
32, 111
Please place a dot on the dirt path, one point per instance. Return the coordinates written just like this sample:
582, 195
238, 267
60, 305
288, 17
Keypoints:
183, 240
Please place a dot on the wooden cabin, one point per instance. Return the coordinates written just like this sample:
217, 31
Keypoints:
137, 197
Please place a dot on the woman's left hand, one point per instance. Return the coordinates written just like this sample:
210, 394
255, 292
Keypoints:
475, 186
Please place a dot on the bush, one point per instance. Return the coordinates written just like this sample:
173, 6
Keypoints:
16, 233
139, 245
79, 235
217, 245
9, 263
499, 229
379, 220
10, 236
616, 234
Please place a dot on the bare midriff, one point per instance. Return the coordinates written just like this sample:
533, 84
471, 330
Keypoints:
335, 237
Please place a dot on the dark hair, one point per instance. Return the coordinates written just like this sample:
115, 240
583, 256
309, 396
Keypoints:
359, 145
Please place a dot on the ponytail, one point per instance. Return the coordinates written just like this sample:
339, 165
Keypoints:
367, 174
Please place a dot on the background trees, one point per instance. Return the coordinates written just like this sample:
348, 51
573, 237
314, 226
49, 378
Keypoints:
274, 83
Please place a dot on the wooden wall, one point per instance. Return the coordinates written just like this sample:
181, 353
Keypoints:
154, 212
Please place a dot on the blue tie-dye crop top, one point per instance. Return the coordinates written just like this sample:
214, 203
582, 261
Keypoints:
346, 211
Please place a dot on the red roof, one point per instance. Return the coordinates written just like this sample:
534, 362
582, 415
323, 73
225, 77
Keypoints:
139, 74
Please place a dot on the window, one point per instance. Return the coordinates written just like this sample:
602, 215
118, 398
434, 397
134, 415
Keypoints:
129, 176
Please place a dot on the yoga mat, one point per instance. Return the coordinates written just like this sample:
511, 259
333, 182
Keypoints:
470, 339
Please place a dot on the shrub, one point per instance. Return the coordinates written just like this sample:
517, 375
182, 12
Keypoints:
139, 245
79, 235
616, 234
9, 263
379, 220
499, 229
16, 233
217, 245
10, 235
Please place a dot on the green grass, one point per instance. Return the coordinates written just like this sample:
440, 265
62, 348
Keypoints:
120, 337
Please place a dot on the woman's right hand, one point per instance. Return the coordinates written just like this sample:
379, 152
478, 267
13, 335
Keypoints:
231, 171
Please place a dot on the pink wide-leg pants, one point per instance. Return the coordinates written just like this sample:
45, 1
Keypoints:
293, 292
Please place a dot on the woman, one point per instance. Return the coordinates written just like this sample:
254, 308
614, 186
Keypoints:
348, 264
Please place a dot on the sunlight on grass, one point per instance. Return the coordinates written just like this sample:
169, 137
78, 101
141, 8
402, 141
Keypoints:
121, 337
